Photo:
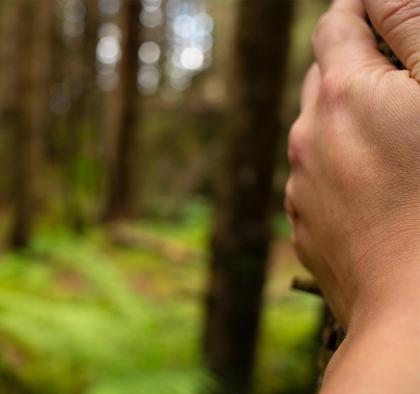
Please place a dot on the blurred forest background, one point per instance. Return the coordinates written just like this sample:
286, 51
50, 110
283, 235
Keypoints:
144, 248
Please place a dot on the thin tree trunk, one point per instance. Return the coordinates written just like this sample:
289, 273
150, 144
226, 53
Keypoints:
242, 231
81, 56
9, 57
123, 172
33, 73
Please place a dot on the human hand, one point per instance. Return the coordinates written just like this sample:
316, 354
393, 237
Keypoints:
353, 196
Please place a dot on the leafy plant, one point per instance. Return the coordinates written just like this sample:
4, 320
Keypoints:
109, 341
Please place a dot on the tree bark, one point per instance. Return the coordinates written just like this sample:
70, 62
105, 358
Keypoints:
80, 119
32, 109
242, 231
123, 167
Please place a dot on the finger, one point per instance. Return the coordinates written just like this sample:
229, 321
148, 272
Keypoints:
299, 207
303, 245
310, 89
398, 22
344, 40
353, 6
298, 202
291, 211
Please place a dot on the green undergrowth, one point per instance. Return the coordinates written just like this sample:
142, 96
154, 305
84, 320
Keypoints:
73, 324
289, 346
79, 315
192, 229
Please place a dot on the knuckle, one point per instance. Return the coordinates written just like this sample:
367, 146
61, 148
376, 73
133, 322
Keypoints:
296, 142
334, 89
289, 204
289, 188
296, 131
323, 25
332, 25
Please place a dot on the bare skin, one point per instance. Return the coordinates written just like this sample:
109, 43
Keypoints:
353, 196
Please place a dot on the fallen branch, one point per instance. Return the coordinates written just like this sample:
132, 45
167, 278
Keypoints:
132, 237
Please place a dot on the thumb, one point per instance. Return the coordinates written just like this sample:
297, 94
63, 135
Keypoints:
398, 22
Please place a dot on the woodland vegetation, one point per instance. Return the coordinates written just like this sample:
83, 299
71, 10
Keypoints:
143, 243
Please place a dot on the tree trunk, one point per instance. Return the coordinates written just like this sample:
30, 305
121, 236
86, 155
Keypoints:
32, 108
123, 172
9, 57
242, 231
80, 119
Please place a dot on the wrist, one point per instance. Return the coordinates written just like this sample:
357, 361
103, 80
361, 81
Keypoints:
387, 280
381, 352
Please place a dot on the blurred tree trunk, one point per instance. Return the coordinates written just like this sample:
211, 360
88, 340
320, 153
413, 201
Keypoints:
242, 231
80, 119
9, 57
32, 110
123, 164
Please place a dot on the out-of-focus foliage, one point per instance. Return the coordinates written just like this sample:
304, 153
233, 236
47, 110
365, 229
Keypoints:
80, 315
289, 346
103, 338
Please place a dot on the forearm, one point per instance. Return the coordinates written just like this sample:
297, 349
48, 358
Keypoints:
381, 354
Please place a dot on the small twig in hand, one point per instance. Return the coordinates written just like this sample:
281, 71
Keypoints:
306, 285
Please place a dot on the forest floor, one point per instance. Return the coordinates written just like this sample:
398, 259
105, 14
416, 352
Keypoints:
121, 311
